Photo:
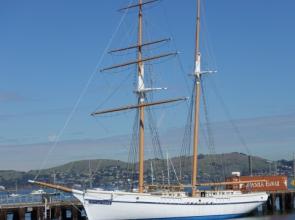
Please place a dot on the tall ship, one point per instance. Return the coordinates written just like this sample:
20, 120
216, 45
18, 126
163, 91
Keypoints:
158, 202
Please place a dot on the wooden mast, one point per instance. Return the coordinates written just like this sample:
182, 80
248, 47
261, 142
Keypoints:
197, 102
141, 90
141, 97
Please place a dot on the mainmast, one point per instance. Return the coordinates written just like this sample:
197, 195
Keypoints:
197, 74
141, 97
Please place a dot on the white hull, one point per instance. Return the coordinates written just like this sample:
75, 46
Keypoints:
120, 205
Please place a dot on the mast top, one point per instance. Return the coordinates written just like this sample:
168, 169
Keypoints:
197, 72
138, 5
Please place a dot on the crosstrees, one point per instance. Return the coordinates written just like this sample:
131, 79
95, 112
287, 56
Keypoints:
139, 61
142, 45
129, 107
140, 4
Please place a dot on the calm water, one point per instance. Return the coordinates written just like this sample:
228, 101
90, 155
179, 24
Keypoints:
271, 217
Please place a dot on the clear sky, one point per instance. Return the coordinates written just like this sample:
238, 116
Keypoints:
50, 49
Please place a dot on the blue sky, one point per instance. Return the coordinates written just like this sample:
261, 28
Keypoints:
49, 50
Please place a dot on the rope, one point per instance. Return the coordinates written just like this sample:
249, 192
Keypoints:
211, 144
174, 171
132, 155
82, 94
157, 148
187, 136
229, 117
114, 92
184, 73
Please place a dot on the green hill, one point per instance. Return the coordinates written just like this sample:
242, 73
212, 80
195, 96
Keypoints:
106, 173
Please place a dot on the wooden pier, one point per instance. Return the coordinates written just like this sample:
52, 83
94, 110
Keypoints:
43, 210
40, 212
282, 201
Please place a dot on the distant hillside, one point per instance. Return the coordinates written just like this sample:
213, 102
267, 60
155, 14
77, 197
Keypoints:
233, 162
110, 172
208, 164
82, 166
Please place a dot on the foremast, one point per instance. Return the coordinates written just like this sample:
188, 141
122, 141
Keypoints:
197, 75
141, 90
141, 99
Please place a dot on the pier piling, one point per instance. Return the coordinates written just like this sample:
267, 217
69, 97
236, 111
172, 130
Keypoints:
285, 201
271, 202
75, 213
3, 214
282, 200
57, 213
38, 211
